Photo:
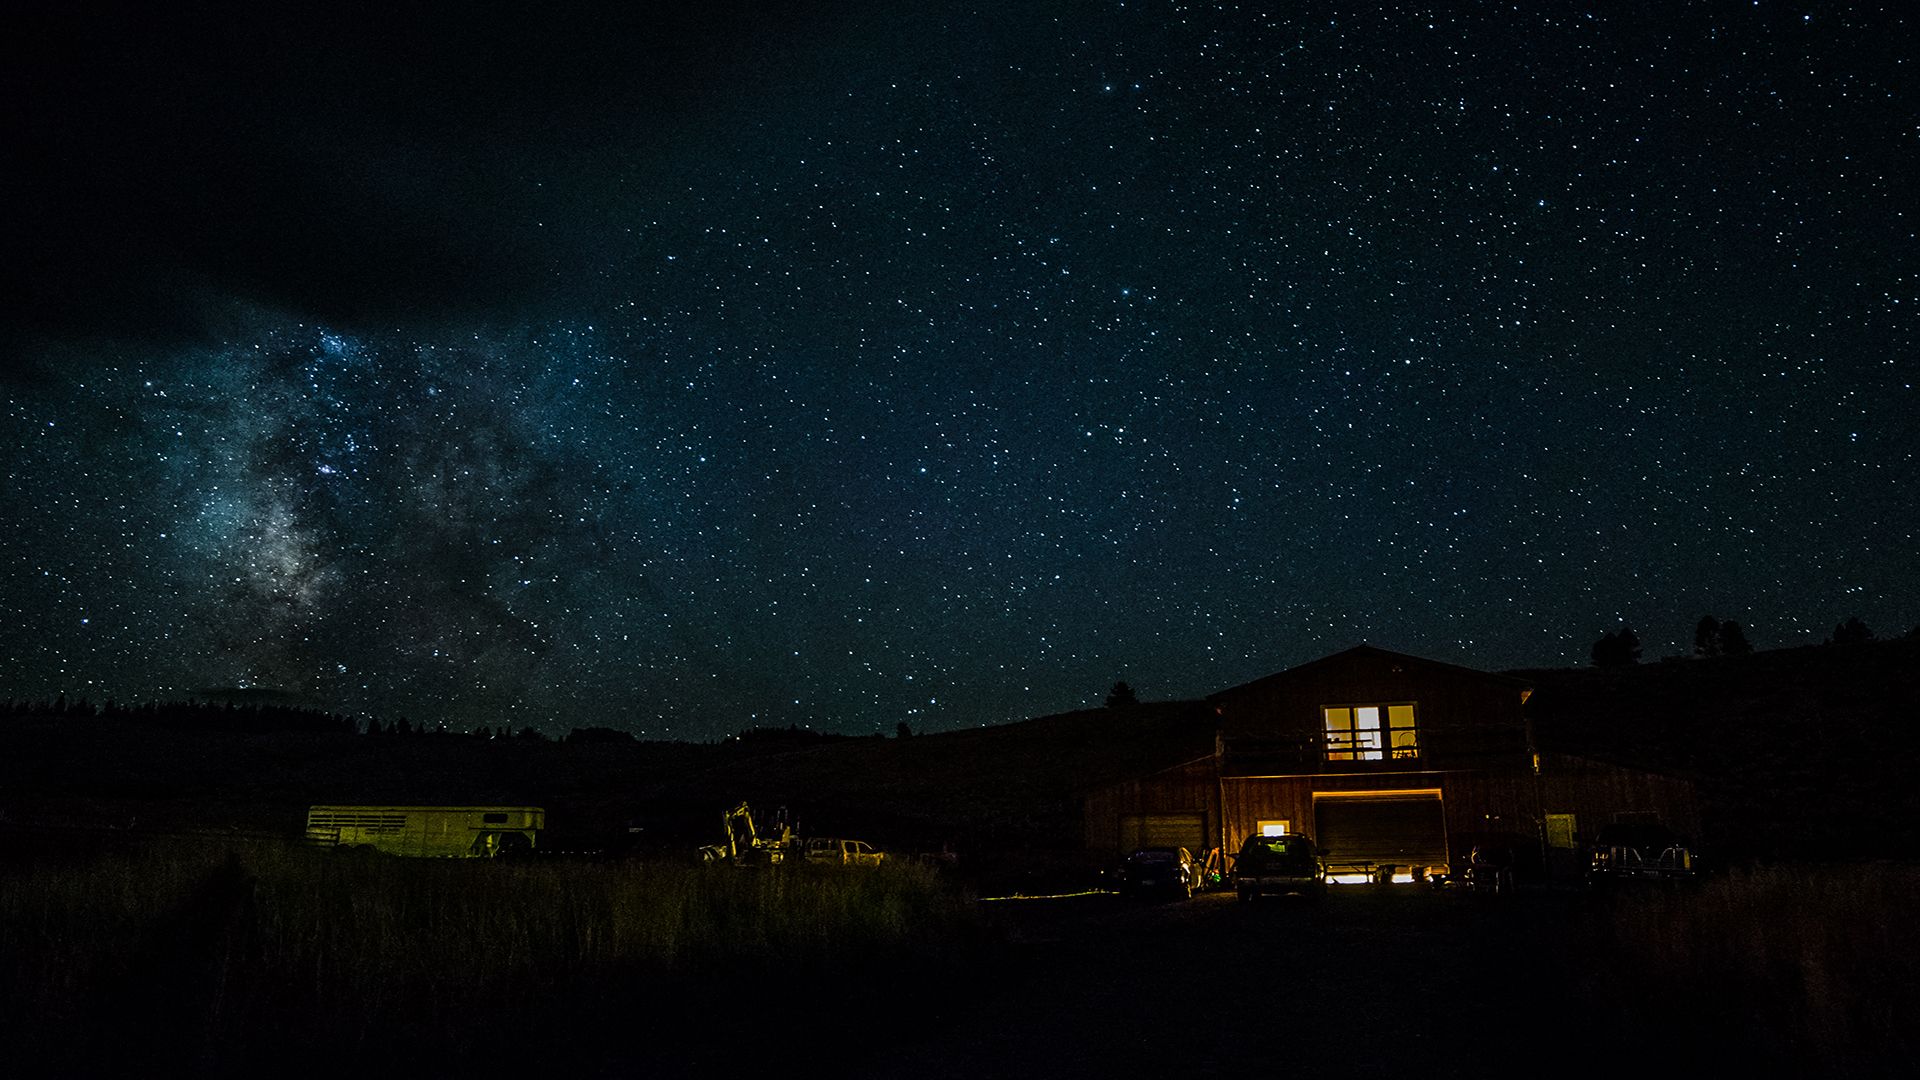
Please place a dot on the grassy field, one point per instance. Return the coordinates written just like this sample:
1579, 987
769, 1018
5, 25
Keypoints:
232, 959
1775, 970
247, 958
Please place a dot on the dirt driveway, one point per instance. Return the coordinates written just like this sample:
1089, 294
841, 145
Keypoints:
1374, 982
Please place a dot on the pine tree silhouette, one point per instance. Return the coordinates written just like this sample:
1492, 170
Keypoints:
1733, 641
1851, 632
1617, 649
1706, 638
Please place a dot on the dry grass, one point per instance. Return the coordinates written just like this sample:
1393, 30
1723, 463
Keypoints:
1804, 968
230, 959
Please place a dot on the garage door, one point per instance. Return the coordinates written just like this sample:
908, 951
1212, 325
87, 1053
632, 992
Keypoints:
1164, 830
1405, 829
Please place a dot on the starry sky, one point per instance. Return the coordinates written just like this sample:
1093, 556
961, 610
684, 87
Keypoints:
691, 368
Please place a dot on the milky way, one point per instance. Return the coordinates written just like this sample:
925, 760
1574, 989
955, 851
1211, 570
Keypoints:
945, 364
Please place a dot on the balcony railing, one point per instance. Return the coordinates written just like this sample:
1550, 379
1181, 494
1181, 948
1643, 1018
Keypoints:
1367, 746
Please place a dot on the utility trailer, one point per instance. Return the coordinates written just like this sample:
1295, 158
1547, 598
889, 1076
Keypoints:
433, 832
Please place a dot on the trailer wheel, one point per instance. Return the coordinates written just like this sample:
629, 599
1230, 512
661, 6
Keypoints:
513, 845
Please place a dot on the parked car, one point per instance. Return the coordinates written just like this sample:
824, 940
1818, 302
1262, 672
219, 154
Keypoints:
1289, 865
1160, 871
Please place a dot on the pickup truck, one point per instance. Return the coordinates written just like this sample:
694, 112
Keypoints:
1280, 866
1629, 852
848, 852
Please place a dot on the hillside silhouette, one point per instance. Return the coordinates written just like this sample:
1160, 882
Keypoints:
1798, 754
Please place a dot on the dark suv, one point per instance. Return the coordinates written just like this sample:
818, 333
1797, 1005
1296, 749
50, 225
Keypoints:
1280, 866
1167, 871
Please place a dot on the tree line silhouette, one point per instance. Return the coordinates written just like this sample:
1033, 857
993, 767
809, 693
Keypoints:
260, 719
189, 715
1713, 638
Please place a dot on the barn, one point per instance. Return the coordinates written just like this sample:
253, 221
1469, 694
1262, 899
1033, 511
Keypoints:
1388, 760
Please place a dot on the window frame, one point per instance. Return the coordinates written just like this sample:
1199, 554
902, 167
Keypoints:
1390, 741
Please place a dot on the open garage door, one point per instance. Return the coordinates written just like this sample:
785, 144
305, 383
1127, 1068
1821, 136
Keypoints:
1402, 828
1164, 830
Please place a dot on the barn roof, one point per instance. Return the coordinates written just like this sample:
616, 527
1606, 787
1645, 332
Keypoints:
1368, 652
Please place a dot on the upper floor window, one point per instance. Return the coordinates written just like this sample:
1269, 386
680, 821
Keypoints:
1371, 732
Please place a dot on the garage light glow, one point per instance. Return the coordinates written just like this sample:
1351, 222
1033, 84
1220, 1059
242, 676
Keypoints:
1366, 879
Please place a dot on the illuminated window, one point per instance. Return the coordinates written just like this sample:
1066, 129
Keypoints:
1560, 830
1401, 740
1355, 733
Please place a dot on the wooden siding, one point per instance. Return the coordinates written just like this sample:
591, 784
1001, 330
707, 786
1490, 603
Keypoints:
1465, 719
1482, 806
1476, 750
1595, 791
1495, 809
1188, 788
1247, 801
1187, 830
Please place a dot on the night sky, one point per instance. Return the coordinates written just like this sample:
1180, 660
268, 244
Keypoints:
691, 369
